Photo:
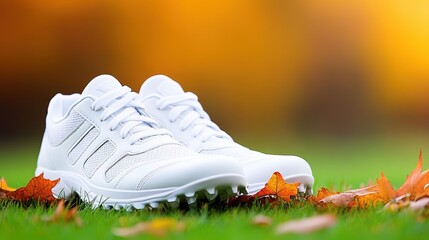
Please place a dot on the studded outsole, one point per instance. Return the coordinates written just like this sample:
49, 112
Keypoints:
227, 185
187, 199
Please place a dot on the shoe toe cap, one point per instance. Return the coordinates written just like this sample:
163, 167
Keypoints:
292, 168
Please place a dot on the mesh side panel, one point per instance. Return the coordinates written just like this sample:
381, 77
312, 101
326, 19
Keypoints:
82, 145
59, 132
98, 158
159, 153
240, 153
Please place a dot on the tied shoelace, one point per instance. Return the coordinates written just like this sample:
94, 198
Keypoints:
193, 116
126, 111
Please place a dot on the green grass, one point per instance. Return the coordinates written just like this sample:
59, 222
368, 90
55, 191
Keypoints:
336, 164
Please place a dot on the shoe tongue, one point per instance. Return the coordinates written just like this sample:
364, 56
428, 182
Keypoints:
160, 84
101, 85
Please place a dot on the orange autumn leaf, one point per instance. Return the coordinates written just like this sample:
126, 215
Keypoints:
4, 186
385, 189
39, 189
369, 200
422, 184
424, 193
408, 186
277, 186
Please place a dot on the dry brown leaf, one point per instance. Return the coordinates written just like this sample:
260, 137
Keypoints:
4, 186
157, 227
261, 220
419, 204
39, 189
405, 202
3, 196
340, 200
396, 206
277, 187
241, 200
307, 225
346, 199
363, 191
321, 194
62, 214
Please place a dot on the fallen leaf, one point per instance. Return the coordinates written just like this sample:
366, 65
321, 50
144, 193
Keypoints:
385, 189
369, 200
39, 189
261, 220
340, 200
421, 186
405, 202
415, 187
321, 194
307, 225
241, 200
157, 227
4, 186
62, 214
3, 196
277, 187
419, 204
408, 186
396, 206
364, 190
425, 193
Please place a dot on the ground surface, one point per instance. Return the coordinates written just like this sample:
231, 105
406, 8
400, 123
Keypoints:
336, 165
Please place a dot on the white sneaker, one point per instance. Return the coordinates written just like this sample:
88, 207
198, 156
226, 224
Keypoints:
102, 146
182, 114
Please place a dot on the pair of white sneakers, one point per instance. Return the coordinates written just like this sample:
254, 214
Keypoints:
120, 149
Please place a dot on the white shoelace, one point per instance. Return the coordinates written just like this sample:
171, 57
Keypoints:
193, 116
123, 106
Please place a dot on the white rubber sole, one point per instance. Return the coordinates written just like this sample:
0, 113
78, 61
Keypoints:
306, 184
210, 188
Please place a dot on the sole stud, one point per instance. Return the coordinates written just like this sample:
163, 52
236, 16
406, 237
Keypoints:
191, 200
154, 205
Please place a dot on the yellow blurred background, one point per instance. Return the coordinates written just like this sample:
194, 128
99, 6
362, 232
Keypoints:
329, 67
